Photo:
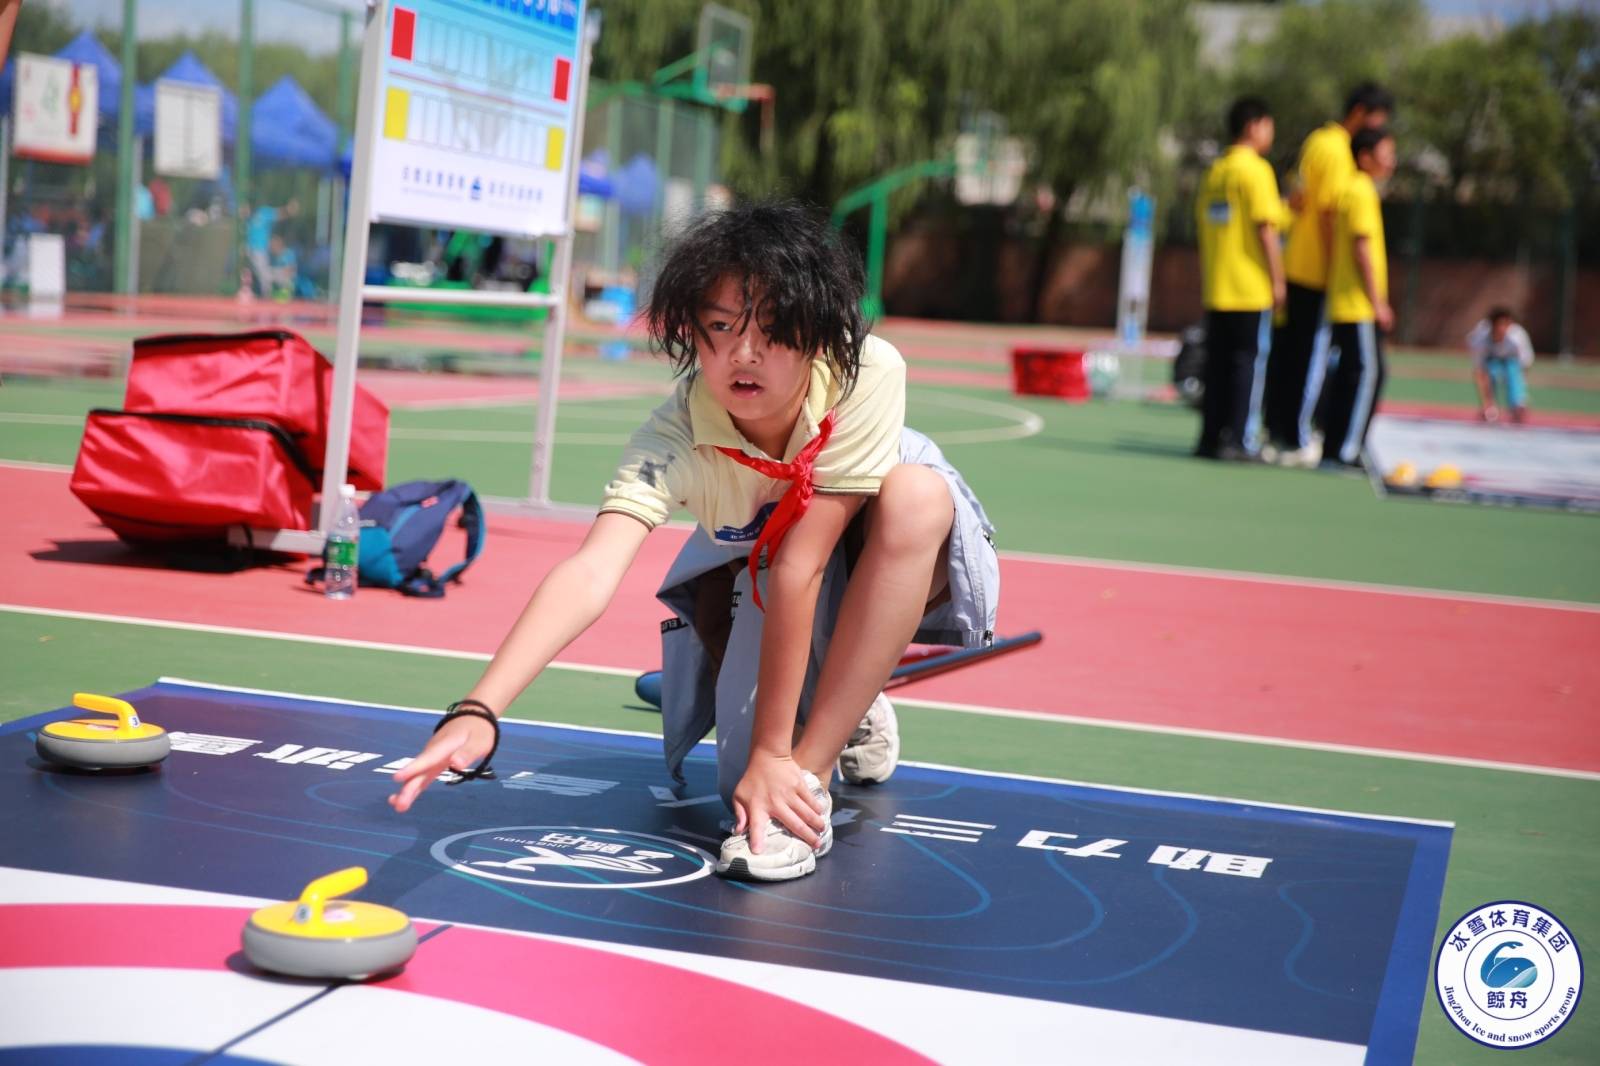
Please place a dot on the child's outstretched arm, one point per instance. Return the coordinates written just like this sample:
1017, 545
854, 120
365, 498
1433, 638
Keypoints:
566, 603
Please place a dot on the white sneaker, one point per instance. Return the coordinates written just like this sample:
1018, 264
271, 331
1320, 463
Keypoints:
1305, 458
784, 856
874, 748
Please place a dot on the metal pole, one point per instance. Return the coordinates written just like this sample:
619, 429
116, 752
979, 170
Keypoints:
343, 103
341, 405
555, 329
344, 94
131, 232
125, 224
664, 115
5, 184
1566, 301
241, 146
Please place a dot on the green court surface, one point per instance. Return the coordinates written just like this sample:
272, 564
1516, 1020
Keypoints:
1101, 480
1543, 826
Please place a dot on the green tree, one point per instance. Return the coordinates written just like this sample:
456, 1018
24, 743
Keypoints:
42, 29
1493, 116
867, 86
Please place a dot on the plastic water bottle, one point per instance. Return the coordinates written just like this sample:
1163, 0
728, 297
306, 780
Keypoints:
343, 548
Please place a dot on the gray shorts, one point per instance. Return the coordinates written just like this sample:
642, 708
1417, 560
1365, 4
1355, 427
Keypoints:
709, 580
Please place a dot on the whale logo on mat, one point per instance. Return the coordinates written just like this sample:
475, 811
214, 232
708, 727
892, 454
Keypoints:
565, 856
635, 863
1507, 971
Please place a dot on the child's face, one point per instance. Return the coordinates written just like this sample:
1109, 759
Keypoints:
1261, 133
756, 380
1499, 328
1379, 163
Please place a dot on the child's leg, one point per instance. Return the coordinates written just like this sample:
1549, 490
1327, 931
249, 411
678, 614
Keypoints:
899, 572
1516, 390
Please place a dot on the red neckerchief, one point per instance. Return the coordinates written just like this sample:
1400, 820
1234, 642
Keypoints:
795, 500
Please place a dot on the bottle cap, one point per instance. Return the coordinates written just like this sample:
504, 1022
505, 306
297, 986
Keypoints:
347, 490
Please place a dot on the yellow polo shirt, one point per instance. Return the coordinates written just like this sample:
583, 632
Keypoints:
671, 461
1360, 215
1240, 193
1325, 167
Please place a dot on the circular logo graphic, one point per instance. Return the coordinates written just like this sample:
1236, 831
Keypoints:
566, 856
1508, 974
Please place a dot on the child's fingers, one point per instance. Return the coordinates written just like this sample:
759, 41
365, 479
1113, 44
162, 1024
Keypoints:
738, 817
797, 819
424, 769
757, 830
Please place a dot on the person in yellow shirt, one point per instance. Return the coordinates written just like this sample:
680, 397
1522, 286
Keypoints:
1358, 302
1237, 214
785, 439
1300, 346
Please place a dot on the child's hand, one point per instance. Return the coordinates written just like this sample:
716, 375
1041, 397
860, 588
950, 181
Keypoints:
775, 787
457, 746
1385, 315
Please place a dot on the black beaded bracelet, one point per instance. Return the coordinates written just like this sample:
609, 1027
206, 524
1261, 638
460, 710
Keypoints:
473, 709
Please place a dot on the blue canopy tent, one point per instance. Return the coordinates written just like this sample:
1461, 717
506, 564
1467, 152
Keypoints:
287, 129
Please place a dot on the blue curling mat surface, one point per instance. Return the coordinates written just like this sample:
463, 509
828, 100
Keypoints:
1312, 924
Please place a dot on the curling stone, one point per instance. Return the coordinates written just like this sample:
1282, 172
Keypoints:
1404, 475
319, 936
648, 688
100, 744
1444, 476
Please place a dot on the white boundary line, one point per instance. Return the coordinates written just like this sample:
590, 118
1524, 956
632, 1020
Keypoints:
1246, 738
960, 708
23, 464
924, 765
1303, 582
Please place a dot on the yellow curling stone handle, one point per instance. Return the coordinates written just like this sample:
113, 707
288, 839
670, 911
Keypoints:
308, 911
128, 726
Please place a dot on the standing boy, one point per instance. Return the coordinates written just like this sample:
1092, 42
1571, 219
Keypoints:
1358, 301
1295, 374
1241, 277
1501, 351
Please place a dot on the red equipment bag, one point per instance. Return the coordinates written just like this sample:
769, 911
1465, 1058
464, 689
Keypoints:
168, 477
273, 375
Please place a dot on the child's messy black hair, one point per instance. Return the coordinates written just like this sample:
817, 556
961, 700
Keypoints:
1367, 140
802, 285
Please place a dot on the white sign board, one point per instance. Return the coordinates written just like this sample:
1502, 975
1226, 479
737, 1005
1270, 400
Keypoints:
475, 115
188, 137
56, 108
47, 266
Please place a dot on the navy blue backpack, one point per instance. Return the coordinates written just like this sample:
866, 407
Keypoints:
401, 525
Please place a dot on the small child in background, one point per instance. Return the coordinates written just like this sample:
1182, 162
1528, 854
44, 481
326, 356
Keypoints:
1501, 351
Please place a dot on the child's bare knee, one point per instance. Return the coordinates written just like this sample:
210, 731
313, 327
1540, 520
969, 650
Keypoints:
913, 509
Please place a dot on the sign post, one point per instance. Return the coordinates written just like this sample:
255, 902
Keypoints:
470, 116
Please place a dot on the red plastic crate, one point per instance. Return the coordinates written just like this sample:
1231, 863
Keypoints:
1055, 372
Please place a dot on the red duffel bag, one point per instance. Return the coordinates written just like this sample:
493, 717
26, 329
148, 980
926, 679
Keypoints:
271, 374
173, 477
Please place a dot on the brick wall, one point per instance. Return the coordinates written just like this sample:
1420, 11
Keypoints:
929, 274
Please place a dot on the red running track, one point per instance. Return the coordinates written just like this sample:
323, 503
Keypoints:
1433, 675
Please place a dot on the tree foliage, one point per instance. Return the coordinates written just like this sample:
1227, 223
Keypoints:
865, 86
